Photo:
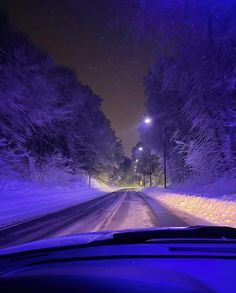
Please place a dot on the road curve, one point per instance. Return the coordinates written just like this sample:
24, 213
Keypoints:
119, 210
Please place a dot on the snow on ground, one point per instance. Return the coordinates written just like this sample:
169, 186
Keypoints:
224, 188
197, 206
102, 186
21, 200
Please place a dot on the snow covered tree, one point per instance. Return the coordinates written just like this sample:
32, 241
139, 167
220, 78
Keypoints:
48, 119
190, 87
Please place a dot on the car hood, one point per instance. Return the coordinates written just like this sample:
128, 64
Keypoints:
128, 236
72, 240
69, 240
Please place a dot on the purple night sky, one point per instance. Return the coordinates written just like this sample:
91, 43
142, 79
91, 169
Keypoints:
79, 34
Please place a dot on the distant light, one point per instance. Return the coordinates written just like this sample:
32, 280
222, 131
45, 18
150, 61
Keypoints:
148, 120
140, 148
136, 160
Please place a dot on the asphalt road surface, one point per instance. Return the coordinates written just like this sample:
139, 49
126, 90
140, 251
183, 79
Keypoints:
119, 210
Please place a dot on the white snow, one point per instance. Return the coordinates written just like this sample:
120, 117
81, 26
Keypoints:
197, 206
21, 200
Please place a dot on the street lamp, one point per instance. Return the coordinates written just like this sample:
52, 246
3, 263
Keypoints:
147, 120
136, 171
150, 164
164, 153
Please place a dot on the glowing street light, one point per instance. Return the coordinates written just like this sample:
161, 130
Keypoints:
148, 120
140, 148
136, 160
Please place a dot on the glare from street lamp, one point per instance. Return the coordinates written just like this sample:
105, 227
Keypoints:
136, 160
140, 148
147, 120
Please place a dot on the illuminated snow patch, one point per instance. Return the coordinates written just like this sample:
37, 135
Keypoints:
194, 208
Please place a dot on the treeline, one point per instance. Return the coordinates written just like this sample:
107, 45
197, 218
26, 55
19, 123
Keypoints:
191, 86
48, 119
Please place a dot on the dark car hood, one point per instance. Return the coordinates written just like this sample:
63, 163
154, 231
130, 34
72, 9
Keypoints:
71, 240
128, 236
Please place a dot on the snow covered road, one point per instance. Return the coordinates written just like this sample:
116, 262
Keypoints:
115, 211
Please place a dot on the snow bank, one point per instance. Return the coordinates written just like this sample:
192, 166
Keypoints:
197, 209
223, 188
21, 200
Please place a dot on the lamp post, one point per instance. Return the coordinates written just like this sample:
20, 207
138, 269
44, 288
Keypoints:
164, 153
149, 164
150, 167
136, 171
148, 121
140, 149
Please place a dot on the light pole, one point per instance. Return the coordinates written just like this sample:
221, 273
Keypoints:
150, 167
148, 121
164, 153
149, 164
140, 149
138, 174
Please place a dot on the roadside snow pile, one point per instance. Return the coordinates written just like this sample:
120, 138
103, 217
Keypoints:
197, 209
223, 188
21, 200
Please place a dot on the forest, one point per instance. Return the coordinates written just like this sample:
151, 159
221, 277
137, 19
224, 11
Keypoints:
50, 120
191, 86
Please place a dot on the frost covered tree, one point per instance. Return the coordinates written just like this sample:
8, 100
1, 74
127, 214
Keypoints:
48, 119
190, 87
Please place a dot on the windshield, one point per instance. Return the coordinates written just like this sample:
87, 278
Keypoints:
114, 115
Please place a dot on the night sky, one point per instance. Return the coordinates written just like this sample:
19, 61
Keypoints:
80, 34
